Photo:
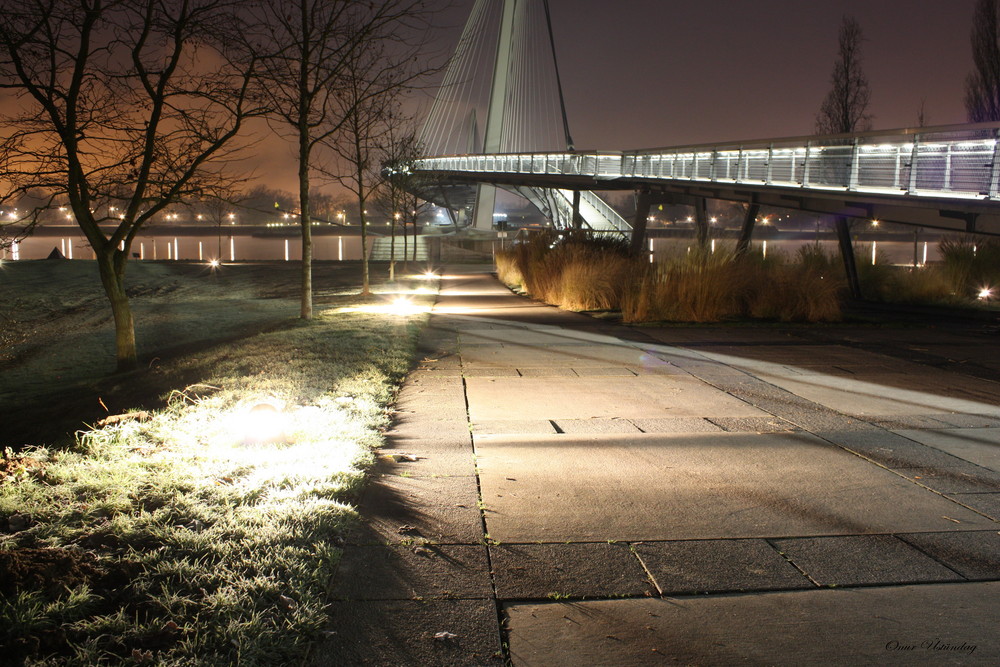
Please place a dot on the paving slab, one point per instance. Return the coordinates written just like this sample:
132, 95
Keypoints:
436, 424
893, 394
777, 402
854, 560
703, 566
696, 486
418, 571
597, 371
893, 450
578, 355
642, 397
399, 509
711, 336
431, 372
973, 554
403, 633
753, 424
489, 372
675, 425
976, 445
987, 503
938, 624
960, 420
435, 457
891, 422
799, 355
538, 571
512, 426
596, 425
547, 372
961, 478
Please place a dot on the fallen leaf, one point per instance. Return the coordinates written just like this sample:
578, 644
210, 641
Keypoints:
950, 519
444, 636
406, 528
141, 657
287, 602
400, 457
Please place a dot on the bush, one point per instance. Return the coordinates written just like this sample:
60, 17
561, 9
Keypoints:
971, 263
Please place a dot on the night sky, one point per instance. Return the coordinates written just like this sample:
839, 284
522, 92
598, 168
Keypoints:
651, 73
657, 73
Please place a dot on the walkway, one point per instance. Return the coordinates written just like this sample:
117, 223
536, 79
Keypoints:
682, 495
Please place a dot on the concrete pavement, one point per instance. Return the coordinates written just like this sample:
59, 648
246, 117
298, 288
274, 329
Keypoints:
562, 491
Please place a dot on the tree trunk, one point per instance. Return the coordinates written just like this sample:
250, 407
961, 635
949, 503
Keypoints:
362, 198
392, 249
111, 265
365, 280
306, 311
415, 230
406, 248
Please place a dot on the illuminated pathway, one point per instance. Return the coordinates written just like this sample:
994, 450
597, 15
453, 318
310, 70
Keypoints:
704, 495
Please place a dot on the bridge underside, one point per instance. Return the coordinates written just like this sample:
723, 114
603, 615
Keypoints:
554, 203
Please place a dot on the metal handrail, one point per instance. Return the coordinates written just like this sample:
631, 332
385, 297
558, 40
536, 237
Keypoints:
958, 161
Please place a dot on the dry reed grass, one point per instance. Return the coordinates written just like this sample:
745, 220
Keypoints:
581, 273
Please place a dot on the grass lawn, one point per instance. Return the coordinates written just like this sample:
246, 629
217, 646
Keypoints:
200, 521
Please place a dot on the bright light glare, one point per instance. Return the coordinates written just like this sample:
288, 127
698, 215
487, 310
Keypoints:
214, 263
401, 305
985, 293
264, 423
430, 275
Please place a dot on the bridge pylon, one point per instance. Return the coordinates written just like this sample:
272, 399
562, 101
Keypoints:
514, 39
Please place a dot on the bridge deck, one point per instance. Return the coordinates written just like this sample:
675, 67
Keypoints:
945, 177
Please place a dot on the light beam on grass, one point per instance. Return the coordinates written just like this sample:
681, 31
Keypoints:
400, 306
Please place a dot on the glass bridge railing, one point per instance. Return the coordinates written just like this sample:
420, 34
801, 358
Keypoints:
959, 162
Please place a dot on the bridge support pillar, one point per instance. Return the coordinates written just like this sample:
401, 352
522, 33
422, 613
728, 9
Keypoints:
486, 198
642, 205
701, 220
746, 232
577, 218
847, 253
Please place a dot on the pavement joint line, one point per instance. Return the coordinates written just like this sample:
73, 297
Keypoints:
500, 616
934, 558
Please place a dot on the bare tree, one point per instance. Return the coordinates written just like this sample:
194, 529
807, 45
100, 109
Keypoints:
395, 153
374, 74
130, 104
313, 44
982, 85
219, 204
845, 108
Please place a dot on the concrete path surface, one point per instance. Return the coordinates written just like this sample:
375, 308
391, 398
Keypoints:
559, 490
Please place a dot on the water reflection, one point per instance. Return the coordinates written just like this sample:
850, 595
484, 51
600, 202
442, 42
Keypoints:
233, 247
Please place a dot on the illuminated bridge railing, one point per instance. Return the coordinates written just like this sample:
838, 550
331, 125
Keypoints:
954, 162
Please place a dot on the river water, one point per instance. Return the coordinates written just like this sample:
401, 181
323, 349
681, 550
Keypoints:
249, 245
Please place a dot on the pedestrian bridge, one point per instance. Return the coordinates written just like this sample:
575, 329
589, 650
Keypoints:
943, 177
